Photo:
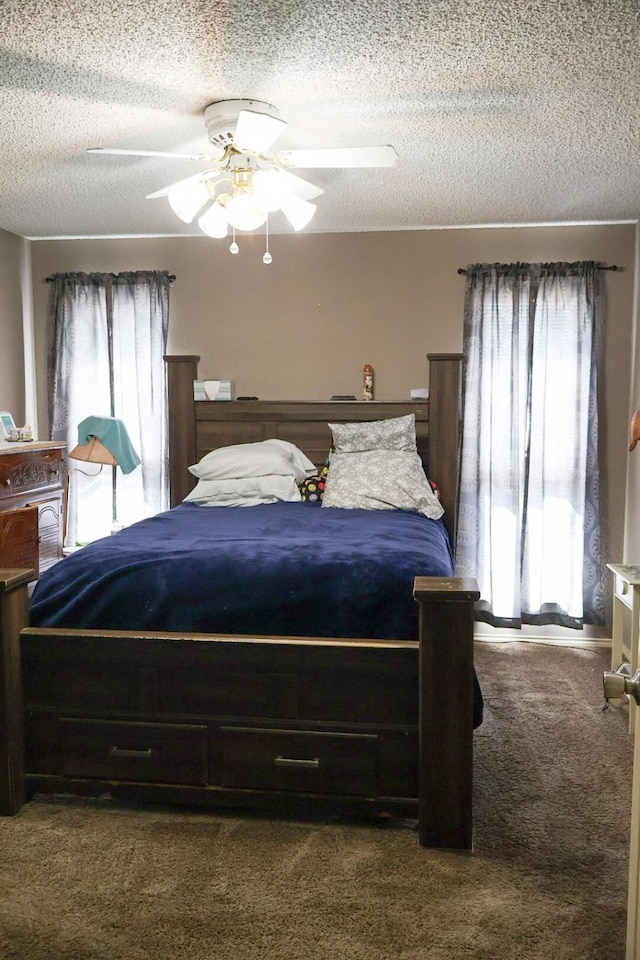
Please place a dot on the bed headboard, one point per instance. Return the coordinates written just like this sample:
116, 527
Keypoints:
196, 427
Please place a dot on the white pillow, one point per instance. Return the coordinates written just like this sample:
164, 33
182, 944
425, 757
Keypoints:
300, 459
380, 480
244, 492
395, 433
261, 459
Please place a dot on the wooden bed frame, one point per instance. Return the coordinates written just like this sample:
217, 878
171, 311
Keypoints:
281, 724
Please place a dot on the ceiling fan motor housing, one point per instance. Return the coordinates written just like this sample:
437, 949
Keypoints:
221, 118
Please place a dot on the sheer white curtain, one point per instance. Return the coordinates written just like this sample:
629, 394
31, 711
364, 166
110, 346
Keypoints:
108, 335
528, 527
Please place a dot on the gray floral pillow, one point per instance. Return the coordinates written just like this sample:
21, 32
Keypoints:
380, 480
395, 433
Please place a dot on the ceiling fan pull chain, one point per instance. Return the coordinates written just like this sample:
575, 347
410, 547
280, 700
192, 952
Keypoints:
267, 258
234, 246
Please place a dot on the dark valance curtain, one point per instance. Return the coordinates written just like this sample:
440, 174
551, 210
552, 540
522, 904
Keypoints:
528, 527
107, 341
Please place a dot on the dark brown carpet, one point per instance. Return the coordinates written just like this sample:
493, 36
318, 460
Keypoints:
547, 880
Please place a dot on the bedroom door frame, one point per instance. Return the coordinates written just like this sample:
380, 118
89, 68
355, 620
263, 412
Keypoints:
633, 900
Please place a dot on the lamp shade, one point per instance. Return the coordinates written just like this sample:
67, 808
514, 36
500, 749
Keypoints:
93, 452
105, 440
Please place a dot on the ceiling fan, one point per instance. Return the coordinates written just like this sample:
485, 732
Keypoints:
254, 181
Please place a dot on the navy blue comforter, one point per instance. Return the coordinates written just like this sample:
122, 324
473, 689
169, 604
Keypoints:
277, 569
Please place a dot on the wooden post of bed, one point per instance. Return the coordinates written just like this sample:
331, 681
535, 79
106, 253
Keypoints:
446, 640
13, 617
181, 372
445, 431
445, 802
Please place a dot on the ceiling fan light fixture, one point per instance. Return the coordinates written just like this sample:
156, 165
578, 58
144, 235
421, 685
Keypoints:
243, 210
297, 211
187, 201
241, 132
270, 188
215, 221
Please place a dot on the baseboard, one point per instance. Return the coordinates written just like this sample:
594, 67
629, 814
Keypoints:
516, 636
546, 641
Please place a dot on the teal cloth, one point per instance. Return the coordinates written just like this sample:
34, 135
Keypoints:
113, 434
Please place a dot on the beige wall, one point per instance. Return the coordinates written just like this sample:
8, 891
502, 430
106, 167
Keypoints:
303, 327
12, 391
632, 511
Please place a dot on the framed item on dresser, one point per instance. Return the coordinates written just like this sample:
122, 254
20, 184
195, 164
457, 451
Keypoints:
7, 424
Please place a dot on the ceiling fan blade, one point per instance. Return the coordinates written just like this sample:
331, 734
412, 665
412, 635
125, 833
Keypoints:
187, 182
255, 132
114, 151
339, 157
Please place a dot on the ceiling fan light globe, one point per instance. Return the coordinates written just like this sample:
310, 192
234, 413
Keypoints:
214, 222
187, 201
270, 188
244, 212
297, 211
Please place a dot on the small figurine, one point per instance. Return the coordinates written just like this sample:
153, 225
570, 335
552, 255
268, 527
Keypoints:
634, 430
367, 382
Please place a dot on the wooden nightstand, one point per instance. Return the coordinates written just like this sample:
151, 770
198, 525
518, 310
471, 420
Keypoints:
624, 642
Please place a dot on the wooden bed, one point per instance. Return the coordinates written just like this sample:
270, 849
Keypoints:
288, 725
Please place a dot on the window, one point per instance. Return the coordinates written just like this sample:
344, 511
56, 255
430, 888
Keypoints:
528, 528
108, 337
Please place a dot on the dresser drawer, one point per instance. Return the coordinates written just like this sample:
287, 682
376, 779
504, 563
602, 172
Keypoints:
29, 471
315, 762
148, 752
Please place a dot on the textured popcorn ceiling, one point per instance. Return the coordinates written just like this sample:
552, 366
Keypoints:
501, 112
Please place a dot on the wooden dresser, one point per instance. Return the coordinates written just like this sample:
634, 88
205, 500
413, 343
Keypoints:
31, 504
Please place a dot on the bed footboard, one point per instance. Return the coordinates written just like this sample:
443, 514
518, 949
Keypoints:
393, 720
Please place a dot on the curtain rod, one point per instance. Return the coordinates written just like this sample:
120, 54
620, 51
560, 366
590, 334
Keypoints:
463, 270
50, 279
